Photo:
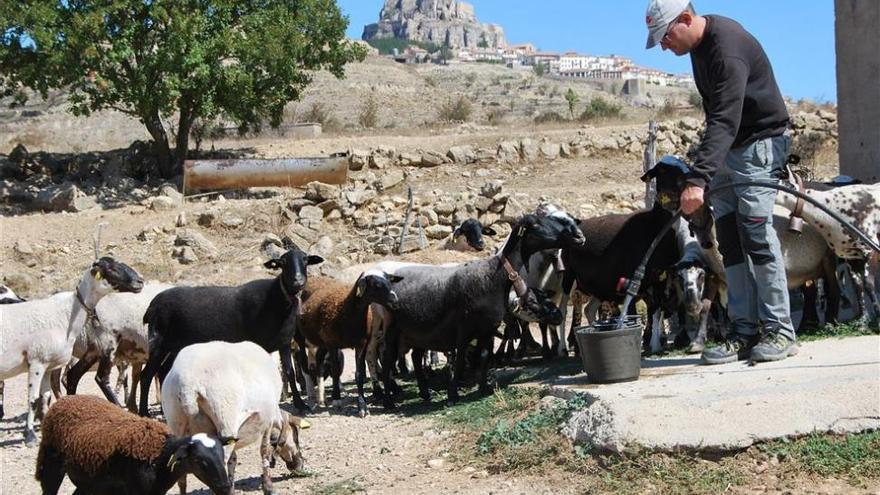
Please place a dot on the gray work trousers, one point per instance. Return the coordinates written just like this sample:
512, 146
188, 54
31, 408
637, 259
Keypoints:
757, 288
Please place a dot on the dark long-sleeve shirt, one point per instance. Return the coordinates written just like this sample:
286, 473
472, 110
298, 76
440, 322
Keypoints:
740, 95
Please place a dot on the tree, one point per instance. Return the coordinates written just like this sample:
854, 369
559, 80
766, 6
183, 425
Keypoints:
572, 98
539, 69
156, 61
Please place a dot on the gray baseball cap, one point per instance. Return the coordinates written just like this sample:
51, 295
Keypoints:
659, 15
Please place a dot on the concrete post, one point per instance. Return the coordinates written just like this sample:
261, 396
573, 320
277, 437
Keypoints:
858, 87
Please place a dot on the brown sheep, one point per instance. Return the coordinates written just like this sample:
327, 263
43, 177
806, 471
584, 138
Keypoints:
104, 449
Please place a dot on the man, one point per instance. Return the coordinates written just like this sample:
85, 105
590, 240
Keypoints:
745, 139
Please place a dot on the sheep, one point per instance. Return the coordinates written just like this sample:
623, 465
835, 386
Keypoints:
468, 236
231, 391
39, 334
614, 248
7, 296
121, 337
335, 316
445, 307
860, 205
261, 311
105, 449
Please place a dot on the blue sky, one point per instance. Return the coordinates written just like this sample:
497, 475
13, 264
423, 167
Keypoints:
797, 35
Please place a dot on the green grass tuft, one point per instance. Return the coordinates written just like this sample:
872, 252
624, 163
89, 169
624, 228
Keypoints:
855, 456
341, 487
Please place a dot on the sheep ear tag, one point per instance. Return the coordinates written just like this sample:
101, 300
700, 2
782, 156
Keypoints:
522, 230
172, 462
360, 291
303, 424
98, 276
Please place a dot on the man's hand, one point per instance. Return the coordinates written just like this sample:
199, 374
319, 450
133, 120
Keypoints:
691, 199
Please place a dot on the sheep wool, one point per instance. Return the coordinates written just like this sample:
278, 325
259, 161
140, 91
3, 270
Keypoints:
89, 431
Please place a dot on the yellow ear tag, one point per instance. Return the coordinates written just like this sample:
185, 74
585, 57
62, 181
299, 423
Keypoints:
172, 462
662, 276
522, 230
360, 291
98, 276
230, 442
303, 424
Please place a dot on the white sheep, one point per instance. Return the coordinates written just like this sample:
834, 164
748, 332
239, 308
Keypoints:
232, 391
119, 337
38, 336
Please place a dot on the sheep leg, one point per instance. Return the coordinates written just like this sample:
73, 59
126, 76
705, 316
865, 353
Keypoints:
230, 469
147, 374
2, 386
121, 379
266, 453
546, 351
485, 346
388, 357
319, 375
419, 370
336, 372
36, 370
871, 287
181, 484
567, 285
360, 372
76, 372
287, 366
577, 319
832, 289
457, 372
50, 470
131, 401
102, 378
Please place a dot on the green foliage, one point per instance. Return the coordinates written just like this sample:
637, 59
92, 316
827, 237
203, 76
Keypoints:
483, 43
343, 487
571, 98
446, 53
600, 108
154, 60
530, 428
855, 456
695, 100
456, 110
539, 69
848, 329
369, 115
386, 46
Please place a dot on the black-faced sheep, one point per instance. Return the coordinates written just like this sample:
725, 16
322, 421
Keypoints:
231, 391
104, 449
261, 311
39, 334
444, 308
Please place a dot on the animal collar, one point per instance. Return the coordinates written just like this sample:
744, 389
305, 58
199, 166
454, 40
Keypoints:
519, 285
799, 205
91, 314
293, 301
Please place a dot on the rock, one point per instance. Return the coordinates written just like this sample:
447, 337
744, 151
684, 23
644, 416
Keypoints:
195, 240
19, 282
689, 124
361, 219
22, 247
65, 197
319, 192
163, 203
359, 197
379, 161
19, 155
432, 159
491, 188
484, 155
170, 190
512, 211
528, 150
452, 24
147, 234
207, 218
311, 213
438, 231
461, 154
301, 235
232, 221
483, 203
297, 204
444, 208
565, 150
181, 220
605, 142
324, 247
358, 159
409, 159
507, 152
187, 256
430, 215
330, 205
827, 116
436, 463
549, 150
389, 180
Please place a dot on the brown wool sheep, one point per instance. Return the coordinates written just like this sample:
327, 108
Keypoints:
90, 430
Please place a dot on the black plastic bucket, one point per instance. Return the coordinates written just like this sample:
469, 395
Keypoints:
609, 355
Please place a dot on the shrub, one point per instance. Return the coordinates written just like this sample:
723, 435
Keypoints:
549, 116
456, 110
572, 98
695, 100
320, 114
539, 69
369, 116
666, 111
600, 108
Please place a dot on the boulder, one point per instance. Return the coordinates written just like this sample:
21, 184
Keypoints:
491, 188
408, 159
461, 154
200, 245
311, 213
319, 192
529, 150
438, 231
187, 256
162, 203
432, 159
65, 197
359, 197
358, 159
513, 210
549, 150
507, 152
323, 247
389, 180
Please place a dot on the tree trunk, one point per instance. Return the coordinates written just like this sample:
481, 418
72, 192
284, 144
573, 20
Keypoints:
187, 117
167, 167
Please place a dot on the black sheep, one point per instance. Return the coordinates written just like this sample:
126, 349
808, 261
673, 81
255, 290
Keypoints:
261, 311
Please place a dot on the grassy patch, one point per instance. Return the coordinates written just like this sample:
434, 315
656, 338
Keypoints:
667, 473
341, 487
855, 457
848, 329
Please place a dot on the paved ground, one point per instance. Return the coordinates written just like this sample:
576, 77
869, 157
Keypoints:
831, 385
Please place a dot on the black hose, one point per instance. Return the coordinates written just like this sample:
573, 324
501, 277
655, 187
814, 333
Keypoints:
636, 281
